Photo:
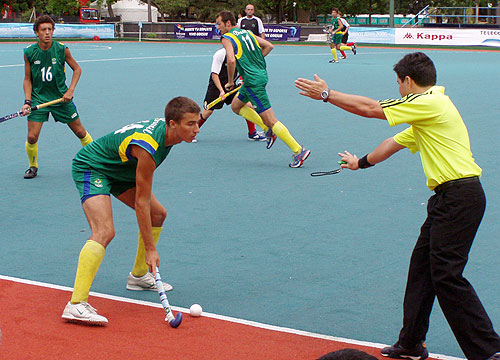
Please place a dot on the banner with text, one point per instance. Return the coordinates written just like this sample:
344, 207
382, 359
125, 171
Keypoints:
446, 36
25, 30
196, 31
282, 33
210, 31
371, 35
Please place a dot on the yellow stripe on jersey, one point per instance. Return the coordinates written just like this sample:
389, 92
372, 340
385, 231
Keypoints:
236, 42
144, 140
253, 35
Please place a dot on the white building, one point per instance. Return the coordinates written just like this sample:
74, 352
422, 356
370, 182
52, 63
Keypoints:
131, 10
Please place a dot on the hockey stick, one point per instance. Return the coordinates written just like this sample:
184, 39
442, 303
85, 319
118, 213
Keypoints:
33, 108
173, 321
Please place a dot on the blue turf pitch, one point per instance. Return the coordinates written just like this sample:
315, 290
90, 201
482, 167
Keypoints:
246, 236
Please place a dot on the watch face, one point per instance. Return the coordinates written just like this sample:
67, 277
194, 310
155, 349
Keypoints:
325, 93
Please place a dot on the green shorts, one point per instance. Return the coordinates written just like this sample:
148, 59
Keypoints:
62, 112
257, 96
90, 182
336, 38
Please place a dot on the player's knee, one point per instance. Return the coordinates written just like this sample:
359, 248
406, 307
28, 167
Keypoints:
236, 109
104, 235
81, 133
158, 216
32, 138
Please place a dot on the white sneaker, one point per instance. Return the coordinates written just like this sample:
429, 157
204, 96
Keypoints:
145, 282
83, 313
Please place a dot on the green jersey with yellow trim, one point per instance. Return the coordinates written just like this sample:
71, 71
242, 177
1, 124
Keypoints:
110, 154
335, 24
48, 73
250, 62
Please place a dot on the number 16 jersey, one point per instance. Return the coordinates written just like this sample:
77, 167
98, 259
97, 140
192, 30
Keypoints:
48, 75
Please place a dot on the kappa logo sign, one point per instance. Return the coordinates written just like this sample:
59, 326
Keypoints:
424, 36
433, 37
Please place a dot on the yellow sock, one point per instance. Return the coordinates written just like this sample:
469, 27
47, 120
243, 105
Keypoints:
282, 132
140, 267
345, 47
87, 139
252, 116
32, 151
90, 259
334, 53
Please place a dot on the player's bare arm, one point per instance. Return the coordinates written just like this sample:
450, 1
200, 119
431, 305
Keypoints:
77, 72
265, 45
144, 183
359, 105
218, 84
341, 26
27, 86
382, 152
231, 63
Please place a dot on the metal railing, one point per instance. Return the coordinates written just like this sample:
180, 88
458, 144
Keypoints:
423, 13
457, 15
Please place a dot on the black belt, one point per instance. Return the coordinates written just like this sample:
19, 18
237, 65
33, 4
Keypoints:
446, 185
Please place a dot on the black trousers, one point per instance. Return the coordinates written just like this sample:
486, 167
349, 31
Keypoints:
436, 267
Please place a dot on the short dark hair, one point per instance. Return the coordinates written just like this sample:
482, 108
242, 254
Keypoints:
347, 354
335, 9
178, 106
417, 66
42, 19
226, 16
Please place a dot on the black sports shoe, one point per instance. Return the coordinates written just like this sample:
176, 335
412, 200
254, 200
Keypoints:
396, 351
31, 172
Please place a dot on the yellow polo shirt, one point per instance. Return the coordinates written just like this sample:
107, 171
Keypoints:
437, 131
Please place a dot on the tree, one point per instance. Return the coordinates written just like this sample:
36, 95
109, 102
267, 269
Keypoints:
59, 7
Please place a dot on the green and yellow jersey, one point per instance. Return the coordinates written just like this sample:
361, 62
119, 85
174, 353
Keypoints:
437, 131
250, 62
335, 24
110, 154
48, 73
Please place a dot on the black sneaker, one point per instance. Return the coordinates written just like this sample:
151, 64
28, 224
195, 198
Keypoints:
396, 351
333, 61
31, 172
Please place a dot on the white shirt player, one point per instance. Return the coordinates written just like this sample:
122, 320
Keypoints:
346, 24
218, 60
260, 24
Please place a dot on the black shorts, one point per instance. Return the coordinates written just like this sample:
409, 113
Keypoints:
345, 37
213, 93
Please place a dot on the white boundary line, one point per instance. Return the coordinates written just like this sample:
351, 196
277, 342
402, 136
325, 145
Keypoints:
203, 55
218, 317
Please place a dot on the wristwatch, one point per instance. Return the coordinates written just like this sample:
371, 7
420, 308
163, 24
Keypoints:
325, 94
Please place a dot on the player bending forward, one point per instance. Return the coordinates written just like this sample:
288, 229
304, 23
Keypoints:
122, 163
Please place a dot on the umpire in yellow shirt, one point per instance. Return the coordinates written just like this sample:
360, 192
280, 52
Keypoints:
454, 212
